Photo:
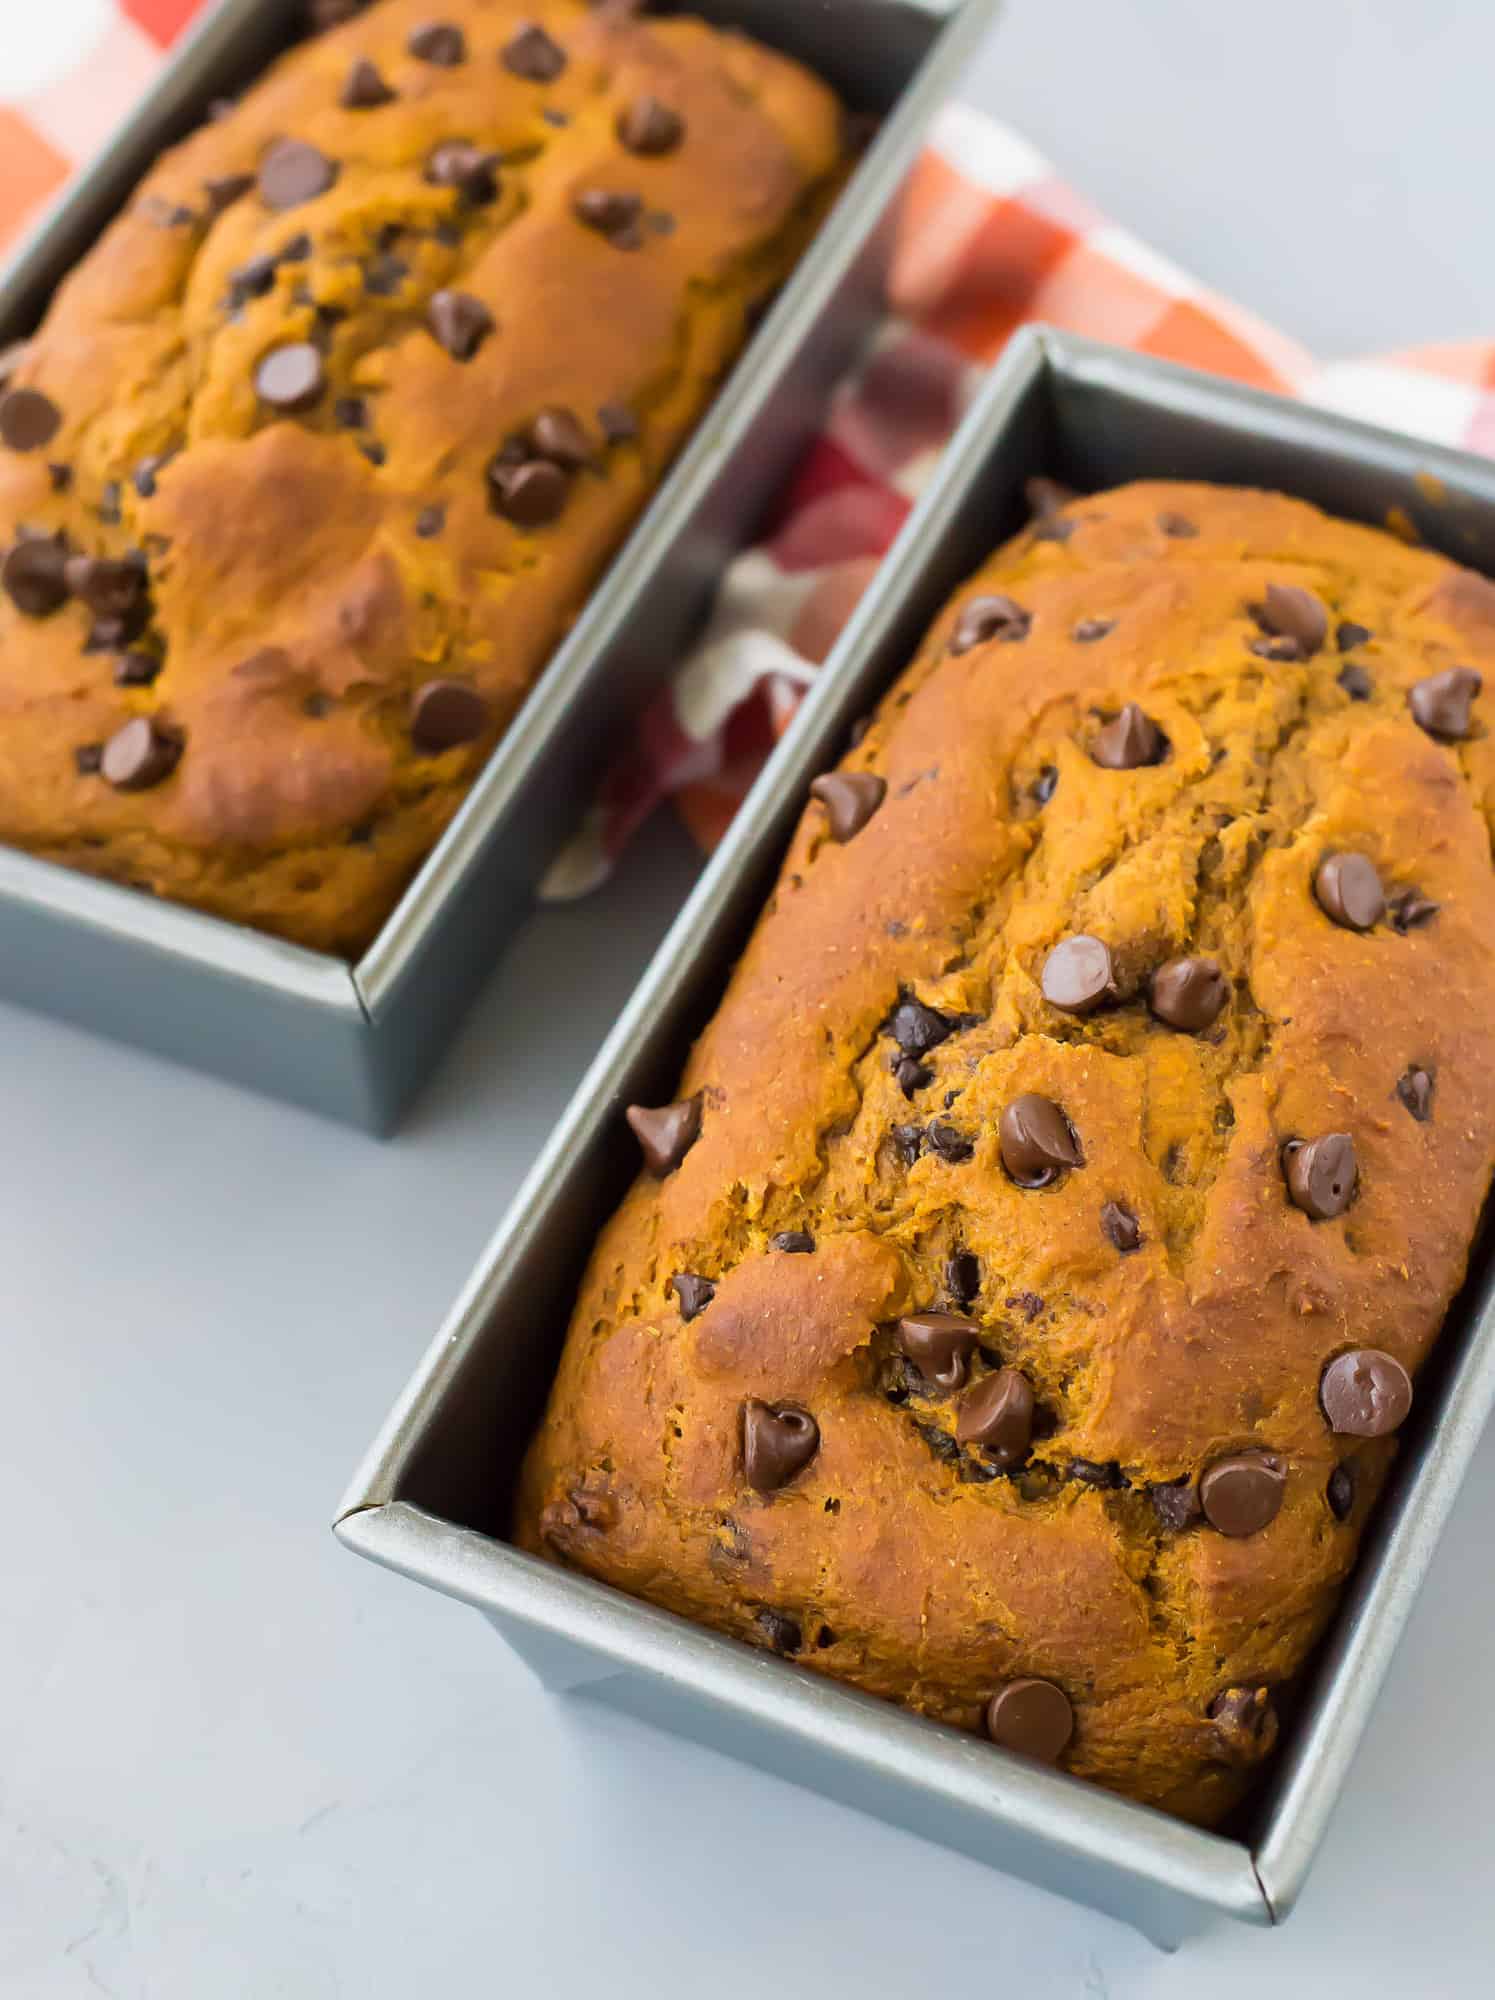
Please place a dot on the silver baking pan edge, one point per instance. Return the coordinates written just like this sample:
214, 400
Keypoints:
355, 1042
430, 1498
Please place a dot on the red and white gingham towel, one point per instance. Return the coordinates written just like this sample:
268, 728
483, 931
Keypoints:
990, 239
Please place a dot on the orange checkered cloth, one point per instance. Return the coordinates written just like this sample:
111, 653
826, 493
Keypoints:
989, 239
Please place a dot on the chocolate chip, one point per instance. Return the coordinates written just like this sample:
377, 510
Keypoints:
1349, 891
1090, 629
793, 1242
111, 588
531, 54
1078, 975
1037, 1141
60, 477
109, 501
87, 759
1276, 649
1340, 1492
136, 669
1241, 1495
530, 494
557, 434
1176, 1505
292, 172
108, 634
429, 522
28, 419
1365, 1393
167, 214
34, 576
1245, 1724
917, 1029
1032, 1717
997, 1414
948, 1144
939, 1443
987, 618
1188, 993
908, 1140
1129, 741
694, 1293
666, 1135
291, 378
459, 322
962, 1277
438, 42
148, 470
1046, 784
911, 1075
383, 274
1355, 681
1410, 910
456, 163
1321, 1174
364, 88
619, 423
1415, 1089
940, 1346
783, 1634
1348, 635
252, 280
778, 1442
648, 126
615, 216
224, 190
1179, 526
350, 413
1291, 612
1441, 703
850, 799
1120, 1228
445, 713
140, 755
553, 115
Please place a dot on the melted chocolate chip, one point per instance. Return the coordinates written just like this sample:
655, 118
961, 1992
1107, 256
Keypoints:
364, 88
1245, 1725
694, 1293
1348, 635
1340, 1491
648, 126
1037, 1141
783, 1634
1293, 613
962, 1277
1176, 1505
292, 378
1355, 681
1415, 1089
136, 669
1322, 1174
793, 1242
1366, 1393
438, 42
1241, 1494
850, 799
292, 172
533, 55
1032, 1717
997, 1414
1120, 1228
1078, 975
444, 714
1441, 704
986, 618
1349, 892
1088, 1472
140, 755
940, 1345
1410, 910
912, 1076
666, 1135
948, 1144
1188, 993
778, 1441
28, 419
459, 322
908, 1141
1129, 741
917, 1029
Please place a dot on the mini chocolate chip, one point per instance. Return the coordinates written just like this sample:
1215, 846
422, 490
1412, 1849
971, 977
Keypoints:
1241, 1494
778, 1442
850, 799
1176, 1504
87, 759
1355, 681
459, 322
1090, 629
1188, 993
1348, 891
619, 423
456, 163
445, 714
1415, 1089
1441, 703
1037, 1141
136, 669
1032, 1717
1120, 1228
912, 1075
140, 755
429, 522
557, 434
667, 1134
531, 494
962, 1277
1078, 975
1245, 1724
793, 1242
648, 126
1365, 1393
438, 42
111, 588
1348, 635
1293, 613
908, 1141
34, 576
364, 88
940, 1345
948, 1144
531, 54
1130, 740
1410, 910
782, 1633
224, 190
693, 1292
615, 216
292, 172
1340, 1492
1321, 1174
1046, 784
917, 1029
350, 413
1179, 526
997, 1414
987, 618
291, 378
28, 419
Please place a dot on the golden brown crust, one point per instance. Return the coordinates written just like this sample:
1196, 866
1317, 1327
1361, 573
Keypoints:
906, 1567
274, 540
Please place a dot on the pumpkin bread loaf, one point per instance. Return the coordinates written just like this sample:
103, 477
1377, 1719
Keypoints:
1018, 1306
317, 455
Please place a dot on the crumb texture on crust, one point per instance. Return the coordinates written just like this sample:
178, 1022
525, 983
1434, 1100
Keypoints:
1168, 1303
261, 410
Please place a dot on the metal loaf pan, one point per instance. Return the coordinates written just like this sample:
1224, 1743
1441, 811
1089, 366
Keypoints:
431, 1497
355, 1041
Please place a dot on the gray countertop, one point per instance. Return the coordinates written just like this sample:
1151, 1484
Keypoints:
237, 1765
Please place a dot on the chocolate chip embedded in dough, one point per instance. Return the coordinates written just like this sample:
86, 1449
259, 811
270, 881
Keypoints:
667, 1134
850, 799
1366, 1393
1348, 891
1322, 1174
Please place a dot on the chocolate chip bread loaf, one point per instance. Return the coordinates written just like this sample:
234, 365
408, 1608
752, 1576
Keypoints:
316, 457
1020, 1300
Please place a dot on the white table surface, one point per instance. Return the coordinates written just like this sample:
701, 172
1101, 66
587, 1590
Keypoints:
236, 1764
